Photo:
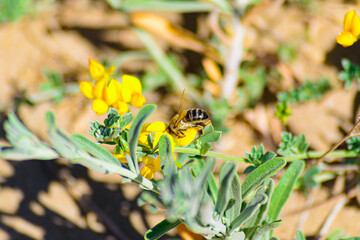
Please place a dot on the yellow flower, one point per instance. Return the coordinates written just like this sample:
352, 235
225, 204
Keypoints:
108, 92
351, 29
98, 71
190, 135
157, 129
152, 165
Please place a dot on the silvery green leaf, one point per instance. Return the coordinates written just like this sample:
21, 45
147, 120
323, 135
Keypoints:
284, 188
267, 188
254, 204
227, 171
236, 236
212, 189
265, 228
235, 200
160, 229
260, 174
166, 157
134, 133
95, 149
25, 145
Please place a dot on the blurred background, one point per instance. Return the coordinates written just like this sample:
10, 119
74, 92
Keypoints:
236, 59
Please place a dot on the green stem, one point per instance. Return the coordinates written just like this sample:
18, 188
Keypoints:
313, 154
209, 154
303, 156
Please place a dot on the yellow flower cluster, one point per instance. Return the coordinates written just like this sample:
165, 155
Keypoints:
157, 128
108, 92
351, 29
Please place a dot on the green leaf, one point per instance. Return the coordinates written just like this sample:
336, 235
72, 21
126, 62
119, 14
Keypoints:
265, 228
259, 175
25, 145
70, 150
160, 229
172, 71
127, 119
227, 171
212, 188
166, 157
211, 137
161, 5
252, 224
95, 149
300, 236
250, 209
205, 147
234, 206
134, 133
284, 188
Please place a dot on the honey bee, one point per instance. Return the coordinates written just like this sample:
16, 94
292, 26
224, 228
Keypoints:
191, 118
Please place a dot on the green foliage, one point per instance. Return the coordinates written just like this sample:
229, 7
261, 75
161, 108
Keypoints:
351, 72
306, 92
292, 145
309, 179
353, 144
12, 10
286, 53
209, 135
257, 158
188, 194
54, 83
300, 236
112, 128
284, 188
25, 145
337, 235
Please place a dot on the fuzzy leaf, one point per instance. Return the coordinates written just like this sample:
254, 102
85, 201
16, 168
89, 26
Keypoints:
234, 206
252, 224
265, 228
95, 149
250, 209
166, 157
227, 171
284, 188
212, 188
259, 175
134, 133
160, 229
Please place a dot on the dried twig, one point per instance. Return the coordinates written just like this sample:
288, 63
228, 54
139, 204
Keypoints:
233, 62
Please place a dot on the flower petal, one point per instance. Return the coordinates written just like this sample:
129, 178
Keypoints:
121, 107
96, 69
112, 92
156, 126
137, 100
348, 20
87, 89
121, 157
99, 106
346, 39
99, 89
190, 135
133, 83
355, 25
147, 172
110, 70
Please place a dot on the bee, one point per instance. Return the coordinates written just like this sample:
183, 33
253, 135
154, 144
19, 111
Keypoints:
191, 118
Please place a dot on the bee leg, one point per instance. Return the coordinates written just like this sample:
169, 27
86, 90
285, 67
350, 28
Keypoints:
181, 134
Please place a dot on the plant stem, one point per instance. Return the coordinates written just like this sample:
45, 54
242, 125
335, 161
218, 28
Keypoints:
309, 155
209, 154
